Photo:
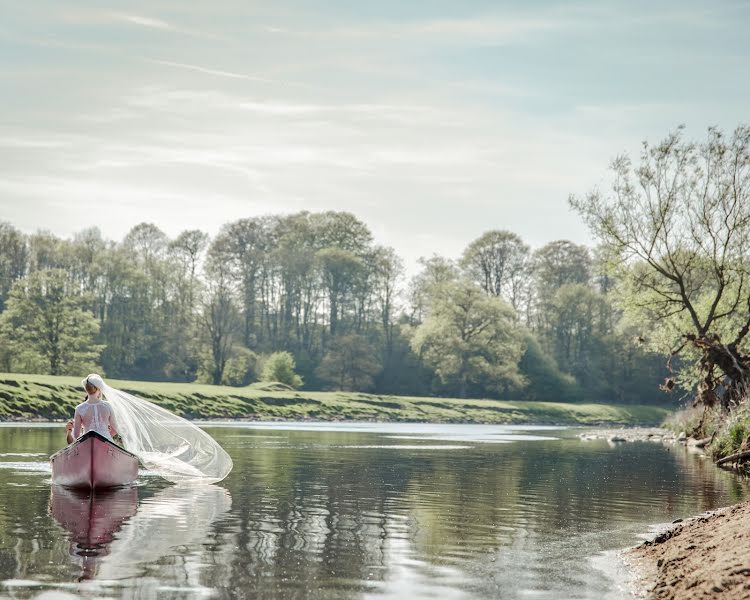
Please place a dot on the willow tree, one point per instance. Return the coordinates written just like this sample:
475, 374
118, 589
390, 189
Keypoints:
680, 222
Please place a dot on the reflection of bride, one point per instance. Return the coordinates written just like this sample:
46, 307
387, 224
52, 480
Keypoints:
115, 541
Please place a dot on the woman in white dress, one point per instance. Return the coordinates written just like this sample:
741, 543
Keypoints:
94, 414
166, 444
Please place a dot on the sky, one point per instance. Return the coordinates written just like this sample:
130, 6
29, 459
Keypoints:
433, 122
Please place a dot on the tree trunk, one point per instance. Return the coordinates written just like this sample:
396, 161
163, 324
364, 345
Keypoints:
734, 367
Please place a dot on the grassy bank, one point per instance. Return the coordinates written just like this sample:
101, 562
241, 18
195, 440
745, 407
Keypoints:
34, 397
729, 434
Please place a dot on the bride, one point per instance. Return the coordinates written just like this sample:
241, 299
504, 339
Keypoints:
93, 414
166, 444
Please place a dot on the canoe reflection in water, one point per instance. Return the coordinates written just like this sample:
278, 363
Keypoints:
92, 519
115, 538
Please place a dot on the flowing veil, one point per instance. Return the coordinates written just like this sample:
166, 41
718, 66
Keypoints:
168, 445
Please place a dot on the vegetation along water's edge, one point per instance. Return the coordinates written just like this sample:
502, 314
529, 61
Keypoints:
709, 554
45, 397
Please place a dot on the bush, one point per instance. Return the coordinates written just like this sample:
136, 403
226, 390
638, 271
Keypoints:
240, 368
688, 419
350, 364
733, 432
280, 366
545, 380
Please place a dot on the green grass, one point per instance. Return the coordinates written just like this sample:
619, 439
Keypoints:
37, 397
729, 431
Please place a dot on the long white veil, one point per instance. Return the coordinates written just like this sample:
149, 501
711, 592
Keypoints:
169, 445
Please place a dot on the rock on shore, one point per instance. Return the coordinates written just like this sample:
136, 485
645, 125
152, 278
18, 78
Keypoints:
707, 556
630, 434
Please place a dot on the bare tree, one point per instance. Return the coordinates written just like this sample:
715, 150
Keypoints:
681, 221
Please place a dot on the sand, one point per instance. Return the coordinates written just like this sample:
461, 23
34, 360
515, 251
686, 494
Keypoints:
707, 556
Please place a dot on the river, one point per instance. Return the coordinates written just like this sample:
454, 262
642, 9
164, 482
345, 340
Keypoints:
354, 510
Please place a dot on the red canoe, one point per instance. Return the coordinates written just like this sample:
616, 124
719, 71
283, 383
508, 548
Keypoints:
93, 462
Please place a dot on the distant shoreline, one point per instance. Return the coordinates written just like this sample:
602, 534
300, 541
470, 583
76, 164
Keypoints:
25, 398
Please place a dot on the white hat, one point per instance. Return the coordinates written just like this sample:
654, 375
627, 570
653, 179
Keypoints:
95, 380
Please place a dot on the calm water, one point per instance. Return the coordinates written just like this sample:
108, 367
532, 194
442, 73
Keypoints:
351, 511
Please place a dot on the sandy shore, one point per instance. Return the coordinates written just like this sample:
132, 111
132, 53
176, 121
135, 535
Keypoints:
707, 556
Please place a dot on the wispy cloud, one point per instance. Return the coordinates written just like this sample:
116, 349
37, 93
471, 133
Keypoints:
147, 22
209, 71
479, 29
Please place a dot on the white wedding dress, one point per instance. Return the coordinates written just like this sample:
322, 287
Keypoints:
95, 416
166, 444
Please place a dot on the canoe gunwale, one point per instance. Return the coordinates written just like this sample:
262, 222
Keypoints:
86, 436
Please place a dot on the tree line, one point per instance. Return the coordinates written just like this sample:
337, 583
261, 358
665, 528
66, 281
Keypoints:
311, 299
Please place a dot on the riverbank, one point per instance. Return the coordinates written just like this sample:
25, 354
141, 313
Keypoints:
707, 556
46, 397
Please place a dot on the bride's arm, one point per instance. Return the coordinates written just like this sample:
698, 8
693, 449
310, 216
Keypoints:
112, 423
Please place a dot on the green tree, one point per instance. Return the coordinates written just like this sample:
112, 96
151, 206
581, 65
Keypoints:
498, 261
546, 381
679, 223
436, 271
44, 316
388, 269
339, 268
351, 363
469, 338
280, 367
13, 258
246, 244
181, 338
220, 319
558, 263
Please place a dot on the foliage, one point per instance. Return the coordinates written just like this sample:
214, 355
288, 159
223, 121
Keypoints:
469, 338
280, 367
498, 261
733, 435
13, 259
44, 322
544, 377
350, 364
559, 263
679, 223
241, 368
315, 285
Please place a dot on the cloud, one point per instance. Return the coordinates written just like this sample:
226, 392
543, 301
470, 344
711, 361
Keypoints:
472, 30
146, 22
208, 71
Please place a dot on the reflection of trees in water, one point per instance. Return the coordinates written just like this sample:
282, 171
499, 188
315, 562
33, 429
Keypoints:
326, 517
319, 515
313, 518
165, 541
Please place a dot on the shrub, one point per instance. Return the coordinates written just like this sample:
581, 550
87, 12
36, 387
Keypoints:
280, 366
240, 368
733, 433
